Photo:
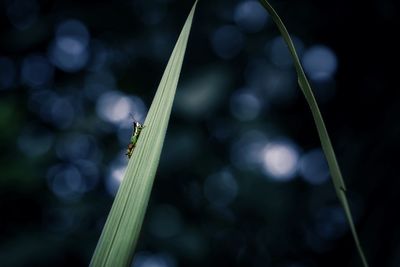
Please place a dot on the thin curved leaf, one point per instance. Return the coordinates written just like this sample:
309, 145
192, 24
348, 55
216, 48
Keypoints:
319, 122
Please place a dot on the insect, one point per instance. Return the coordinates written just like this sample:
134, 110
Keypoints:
137, 128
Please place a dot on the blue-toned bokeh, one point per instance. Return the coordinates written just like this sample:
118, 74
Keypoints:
242, 179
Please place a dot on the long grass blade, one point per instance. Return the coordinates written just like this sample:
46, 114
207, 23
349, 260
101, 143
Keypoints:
117, 242
319, 122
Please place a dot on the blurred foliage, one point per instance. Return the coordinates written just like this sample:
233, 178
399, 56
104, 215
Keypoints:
241, 146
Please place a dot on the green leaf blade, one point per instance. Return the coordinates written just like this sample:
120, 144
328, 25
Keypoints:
117, 242
326, 144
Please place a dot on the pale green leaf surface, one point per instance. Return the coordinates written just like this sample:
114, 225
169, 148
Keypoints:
117, 242
319, 122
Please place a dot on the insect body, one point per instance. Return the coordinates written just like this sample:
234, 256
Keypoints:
137, 128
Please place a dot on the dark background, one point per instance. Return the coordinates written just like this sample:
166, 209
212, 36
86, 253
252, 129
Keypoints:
242, 180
